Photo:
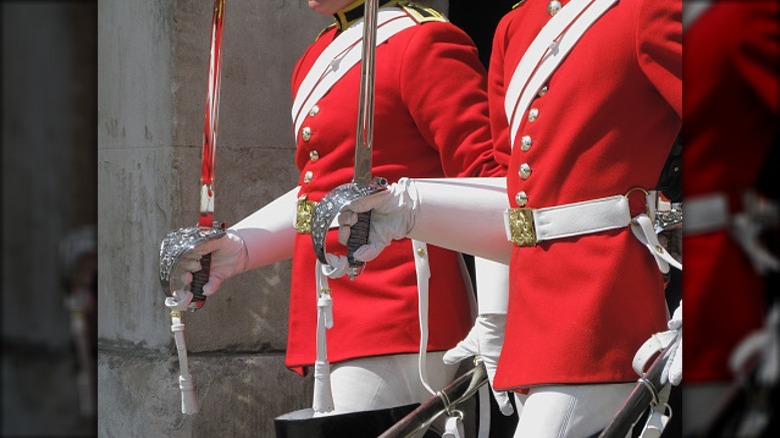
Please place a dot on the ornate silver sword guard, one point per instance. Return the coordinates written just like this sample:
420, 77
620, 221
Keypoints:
332, 204
174, 246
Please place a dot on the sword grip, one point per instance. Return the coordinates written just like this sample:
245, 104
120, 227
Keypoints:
199, 279
358, 236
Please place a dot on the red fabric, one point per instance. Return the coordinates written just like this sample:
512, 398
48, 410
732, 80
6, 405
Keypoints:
731, 114
430, 121
579, 308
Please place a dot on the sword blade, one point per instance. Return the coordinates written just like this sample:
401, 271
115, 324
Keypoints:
207, 169
211, 119
365, 123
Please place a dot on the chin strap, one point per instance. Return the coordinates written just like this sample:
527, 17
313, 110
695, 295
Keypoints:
178, 305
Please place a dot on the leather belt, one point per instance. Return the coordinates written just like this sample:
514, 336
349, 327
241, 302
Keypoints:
529, 226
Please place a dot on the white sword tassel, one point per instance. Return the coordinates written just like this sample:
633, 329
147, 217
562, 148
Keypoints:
189, 400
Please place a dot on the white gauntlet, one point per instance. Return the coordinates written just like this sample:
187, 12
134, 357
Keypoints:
461, 214
262, 238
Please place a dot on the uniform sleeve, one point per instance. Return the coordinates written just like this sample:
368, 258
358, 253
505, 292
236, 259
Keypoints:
497, 93
443, 85
757, 55
659, 47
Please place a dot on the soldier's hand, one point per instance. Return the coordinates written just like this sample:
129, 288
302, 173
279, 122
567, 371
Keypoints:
673, 370
484, 340
228, 258
392, 216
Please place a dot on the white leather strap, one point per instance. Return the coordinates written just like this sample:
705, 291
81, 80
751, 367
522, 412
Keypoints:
596, 215
339, 57
644, 231
546, 52
578, 218
711, 212
423, 269
706, 213
323, 394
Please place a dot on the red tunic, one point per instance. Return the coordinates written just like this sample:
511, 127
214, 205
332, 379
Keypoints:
579, 308
731, 111
431, 120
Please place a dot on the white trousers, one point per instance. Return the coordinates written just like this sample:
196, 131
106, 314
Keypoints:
568, 411
383, 382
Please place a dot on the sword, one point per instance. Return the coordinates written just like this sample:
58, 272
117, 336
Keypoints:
419, 420
362, 182
207, 170
643, 396
177, 243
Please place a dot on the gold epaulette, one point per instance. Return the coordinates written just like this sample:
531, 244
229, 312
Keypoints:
520, 3
334, 24
420, 13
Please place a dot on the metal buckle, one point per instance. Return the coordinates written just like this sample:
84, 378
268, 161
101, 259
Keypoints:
304, 212
648, 208
521, 226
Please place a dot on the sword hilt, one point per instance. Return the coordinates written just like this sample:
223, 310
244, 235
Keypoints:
358, 236
199, 279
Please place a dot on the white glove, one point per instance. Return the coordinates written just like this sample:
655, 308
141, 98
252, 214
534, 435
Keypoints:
484, 340
392, 217
673, 369
228, 258
459, 214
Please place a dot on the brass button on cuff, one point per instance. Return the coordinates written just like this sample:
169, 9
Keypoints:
314, 155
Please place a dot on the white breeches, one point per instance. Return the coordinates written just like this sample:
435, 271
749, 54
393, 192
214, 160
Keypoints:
561, 411
382, 382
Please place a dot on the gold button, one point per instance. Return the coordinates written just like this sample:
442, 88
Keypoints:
521, 198
314, 110
542, 91
533, 114
306, 133
420, 252
307, 176
525, 143
314, 155
525, 171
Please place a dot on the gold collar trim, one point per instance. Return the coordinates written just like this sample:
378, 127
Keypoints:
354, 12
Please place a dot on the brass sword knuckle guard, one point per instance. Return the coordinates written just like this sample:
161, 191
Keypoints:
176, 244
521, 227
